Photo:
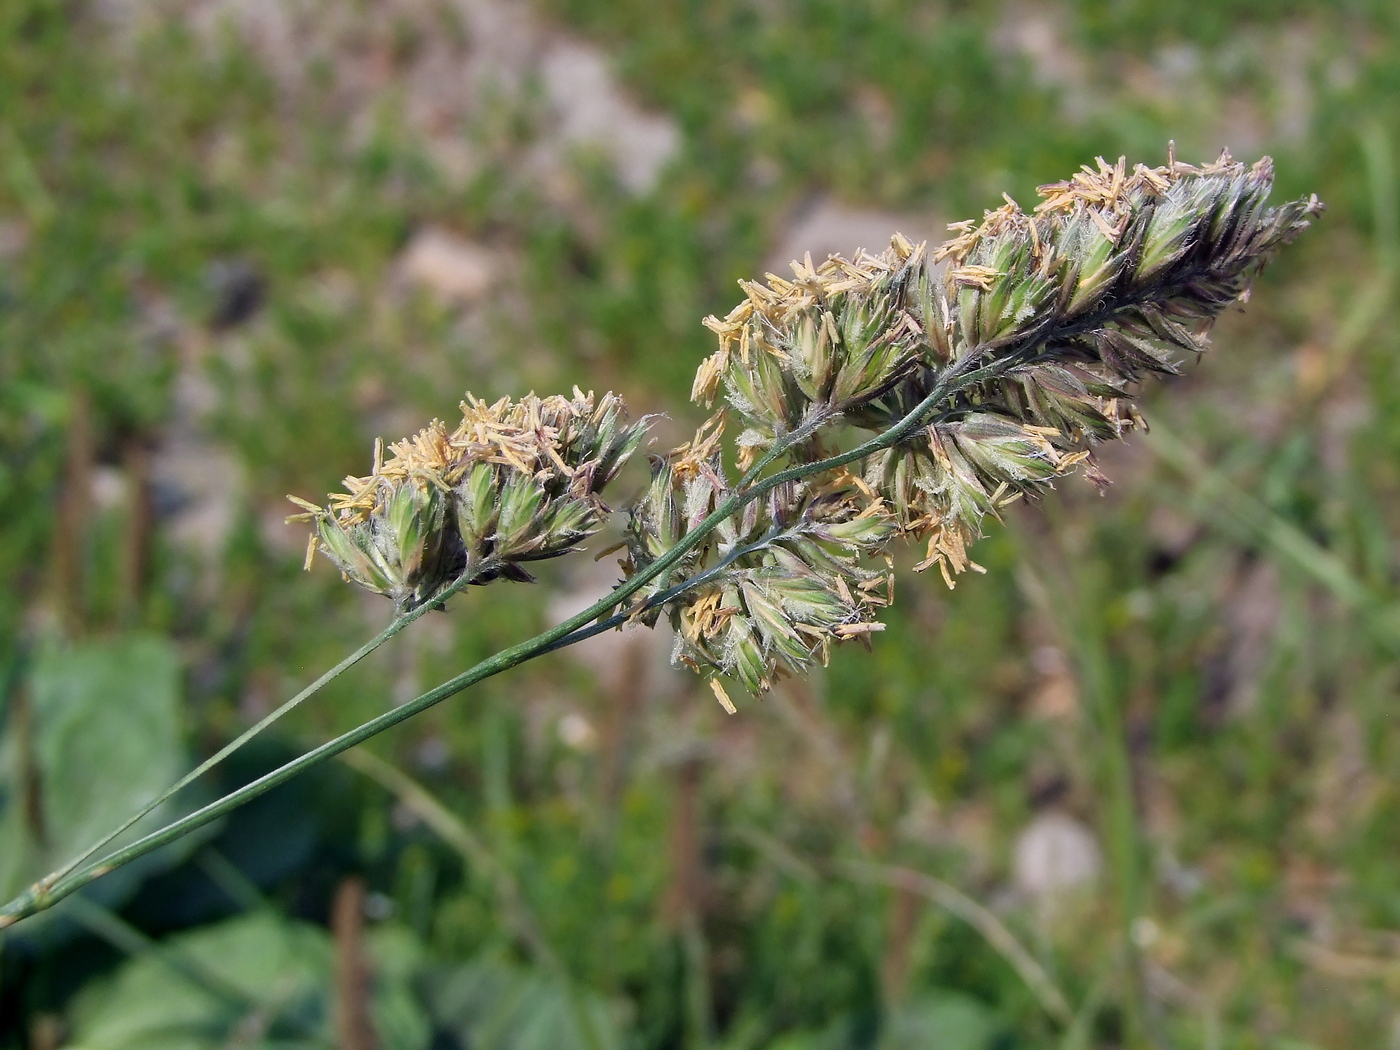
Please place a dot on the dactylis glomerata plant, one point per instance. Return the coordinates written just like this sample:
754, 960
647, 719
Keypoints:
905, 395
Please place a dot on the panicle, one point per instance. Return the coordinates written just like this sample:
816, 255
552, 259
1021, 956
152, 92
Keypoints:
515, 482
1003, 356
1036, 327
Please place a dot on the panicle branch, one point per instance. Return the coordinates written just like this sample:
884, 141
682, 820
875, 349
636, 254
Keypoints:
515, 482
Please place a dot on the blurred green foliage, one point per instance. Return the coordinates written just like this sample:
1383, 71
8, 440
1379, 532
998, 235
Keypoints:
196, 257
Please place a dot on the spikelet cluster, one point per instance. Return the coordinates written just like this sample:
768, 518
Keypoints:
776, 584
1037, 325
515, 482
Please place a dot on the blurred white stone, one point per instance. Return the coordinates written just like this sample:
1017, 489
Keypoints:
577, 732
109, 487
829, 227
592, 111
453, 268
1145, 932
1055, 853
14, 238
1036, 35
466, 58
1055, 694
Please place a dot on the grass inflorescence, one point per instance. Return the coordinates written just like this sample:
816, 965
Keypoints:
1017, 344
1114, 276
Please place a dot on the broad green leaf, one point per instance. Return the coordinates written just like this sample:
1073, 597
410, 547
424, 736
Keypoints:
279, 971
103, 738
940, 1021
259, 981
491, 1006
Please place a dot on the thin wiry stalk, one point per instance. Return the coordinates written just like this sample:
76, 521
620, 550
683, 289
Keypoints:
659, 599
1234, 510
1073, 599
399, 623
1052, 1000
453, 831
1122, 827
